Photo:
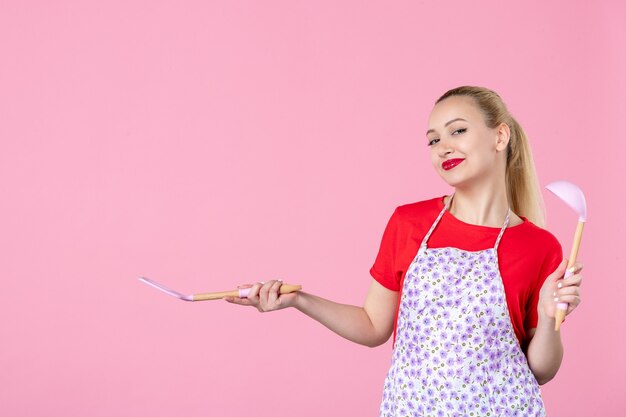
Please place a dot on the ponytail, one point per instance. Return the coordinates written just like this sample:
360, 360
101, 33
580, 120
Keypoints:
522, 185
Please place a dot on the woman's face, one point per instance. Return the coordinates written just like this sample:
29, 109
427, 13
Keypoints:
463, 149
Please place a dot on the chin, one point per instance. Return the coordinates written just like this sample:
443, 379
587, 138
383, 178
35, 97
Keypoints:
453, 182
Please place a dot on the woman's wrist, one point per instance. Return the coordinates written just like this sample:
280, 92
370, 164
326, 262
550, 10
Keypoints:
300, 301
543, 320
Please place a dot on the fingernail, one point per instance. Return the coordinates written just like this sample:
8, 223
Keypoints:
554, 294
280, 280
559, 285
556, 298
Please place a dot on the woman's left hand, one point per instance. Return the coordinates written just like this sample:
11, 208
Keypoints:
556, 290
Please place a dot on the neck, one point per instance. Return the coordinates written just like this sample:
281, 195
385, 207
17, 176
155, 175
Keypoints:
483, 206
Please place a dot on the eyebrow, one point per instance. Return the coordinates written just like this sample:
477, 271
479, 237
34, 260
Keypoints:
446, 125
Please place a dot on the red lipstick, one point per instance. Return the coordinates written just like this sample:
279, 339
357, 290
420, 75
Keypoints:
451, 163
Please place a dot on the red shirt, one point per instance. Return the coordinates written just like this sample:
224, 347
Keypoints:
527, 254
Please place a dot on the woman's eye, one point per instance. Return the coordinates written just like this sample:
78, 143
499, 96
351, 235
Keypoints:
459, 131
432, 142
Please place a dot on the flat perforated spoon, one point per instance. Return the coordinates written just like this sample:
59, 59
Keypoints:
241, 292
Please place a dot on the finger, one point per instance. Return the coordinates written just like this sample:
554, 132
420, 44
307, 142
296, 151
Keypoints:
572, 300
253, 294
273, 299
239, 301
574, 269
559, 271
572, 290
573, 280
572, 306
264, 292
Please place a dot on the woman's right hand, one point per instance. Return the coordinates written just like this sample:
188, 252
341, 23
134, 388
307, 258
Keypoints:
265, 297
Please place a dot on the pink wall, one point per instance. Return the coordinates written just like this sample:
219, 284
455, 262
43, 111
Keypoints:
207, 144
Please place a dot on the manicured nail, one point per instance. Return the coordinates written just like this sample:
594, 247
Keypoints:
554, 294
556, 298
559, 285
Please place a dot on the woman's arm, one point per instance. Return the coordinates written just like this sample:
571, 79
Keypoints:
370, 325
545, 351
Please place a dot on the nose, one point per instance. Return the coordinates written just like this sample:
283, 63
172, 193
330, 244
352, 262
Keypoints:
445, 147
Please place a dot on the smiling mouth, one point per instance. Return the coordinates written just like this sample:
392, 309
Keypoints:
451, 163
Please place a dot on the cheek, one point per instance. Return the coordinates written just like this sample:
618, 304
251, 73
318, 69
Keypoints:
484, 159
477, 148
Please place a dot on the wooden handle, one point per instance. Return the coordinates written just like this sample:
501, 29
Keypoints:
284, 289
560, 313
288, 288
215, 295
577, 237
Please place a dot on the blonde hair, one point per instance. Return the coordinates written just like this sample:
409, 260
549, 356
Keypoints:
522, 186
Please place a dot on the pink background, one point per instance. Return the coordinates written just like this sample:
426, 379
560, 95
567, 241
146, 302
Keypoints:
207, 144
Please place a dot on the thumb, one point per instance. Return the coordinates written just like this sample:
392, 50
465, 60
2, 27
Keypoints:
560, 270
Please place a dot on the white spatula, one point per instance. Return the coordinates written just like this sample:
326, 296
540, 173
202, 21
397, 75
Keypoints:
241, 293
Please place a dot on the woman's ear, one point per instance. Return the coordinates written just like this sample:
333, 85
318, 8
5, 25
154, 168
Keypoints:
503, 133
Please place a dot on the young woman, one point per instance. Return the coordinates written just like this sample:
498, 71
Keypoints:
466, 283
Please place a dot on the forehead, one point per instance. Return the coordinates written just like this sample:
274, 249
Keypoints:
452, 108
